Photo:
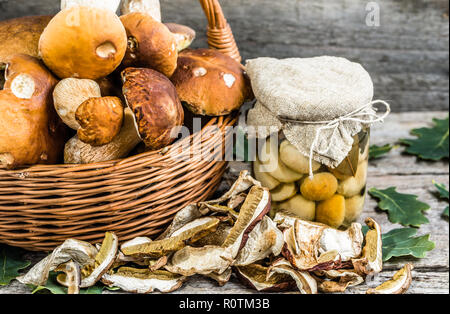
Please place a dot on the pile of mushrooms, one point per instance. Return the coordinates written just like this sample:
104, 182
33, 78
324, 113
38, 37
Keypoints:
222, 237
117, 81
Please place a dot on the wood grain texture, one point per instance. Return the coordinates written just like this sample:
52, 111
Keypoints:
407, 55
431, 274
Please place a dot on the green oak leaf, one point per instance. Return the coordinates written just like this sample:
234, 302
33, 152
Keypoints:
376, 152
53, 287
445, 213
11, 261
401, 242
402, 208
443, 191
432, 143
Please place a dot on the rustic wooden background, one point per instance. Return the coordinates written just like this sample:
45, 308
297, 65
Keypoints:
407, 55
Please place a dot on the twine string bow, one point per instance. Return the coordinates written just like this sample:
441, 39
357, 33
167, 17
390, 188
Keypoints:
358, 115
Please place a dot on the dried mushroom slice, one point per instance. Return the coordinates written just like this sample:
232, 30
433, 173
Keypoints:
333, 286
255, 207
217, 238
302, 244
122, 259
135, 241
193, 232
183, 217
266, 239
306, 283
205, 260
254, 276
237, 201
70, 277
143, 280
341, 279
347, 243
372, 254
80, 252
215, 208
223, 278
154, 265
103, 261
284, 219
313, 246
205, 225
399, 284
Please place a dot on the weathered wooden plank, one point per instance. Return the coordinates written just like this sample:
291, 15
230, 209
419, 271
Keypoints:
407, 54
423, 282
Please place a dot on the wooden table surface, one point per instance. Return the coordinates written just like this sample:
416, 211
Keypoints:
409, 175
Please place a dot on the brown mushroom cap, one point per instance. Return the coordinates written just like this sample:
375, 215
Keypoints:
21, 35
150, 44
100, 120
155, 103
184, 35
210, 83
69, 94
83, 42
30, 130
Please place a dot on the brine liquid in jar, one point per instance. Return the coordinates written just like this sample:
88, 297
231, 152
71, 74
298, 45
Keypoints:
334, 196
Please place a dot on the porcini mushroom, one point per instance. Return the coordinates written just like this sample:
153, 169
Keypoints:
78, 152
69, 94
111, 5
100, 120
150, 44
83, 42
184, 35
155, 104
21, 36
30, 130
70, 277
150, 7
210, 83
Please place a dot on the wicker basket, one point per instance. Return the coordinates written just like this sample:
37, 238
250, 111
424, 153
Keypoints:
44, 205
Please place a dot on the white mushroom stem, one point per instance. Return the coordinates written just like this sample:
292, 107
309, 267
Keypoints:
112, 5
151, 7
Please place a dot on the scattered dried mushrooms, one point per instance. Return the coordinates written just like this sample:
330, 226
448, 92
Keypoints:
226, 236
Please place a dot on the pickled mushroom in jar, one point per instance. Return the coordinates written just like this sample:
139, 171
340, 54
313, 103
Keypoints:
272, 164
295, 160
319, 188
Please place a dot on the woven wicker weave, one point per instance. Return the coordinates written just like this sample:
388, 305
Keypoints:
44, 205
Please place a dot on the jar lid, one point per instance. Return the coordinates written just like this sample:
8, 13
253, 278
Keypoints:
319, 103
310, 89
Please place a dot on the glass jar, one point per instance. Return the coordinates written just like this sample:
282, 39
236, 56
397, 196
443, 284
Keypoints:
333, 196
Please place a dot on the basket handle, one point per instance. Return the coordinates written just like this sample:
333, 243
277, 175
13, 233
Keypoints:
220, 35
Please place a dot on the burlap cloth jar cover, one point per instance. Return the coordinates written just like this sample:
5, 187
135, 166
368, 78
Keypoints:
319, 103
